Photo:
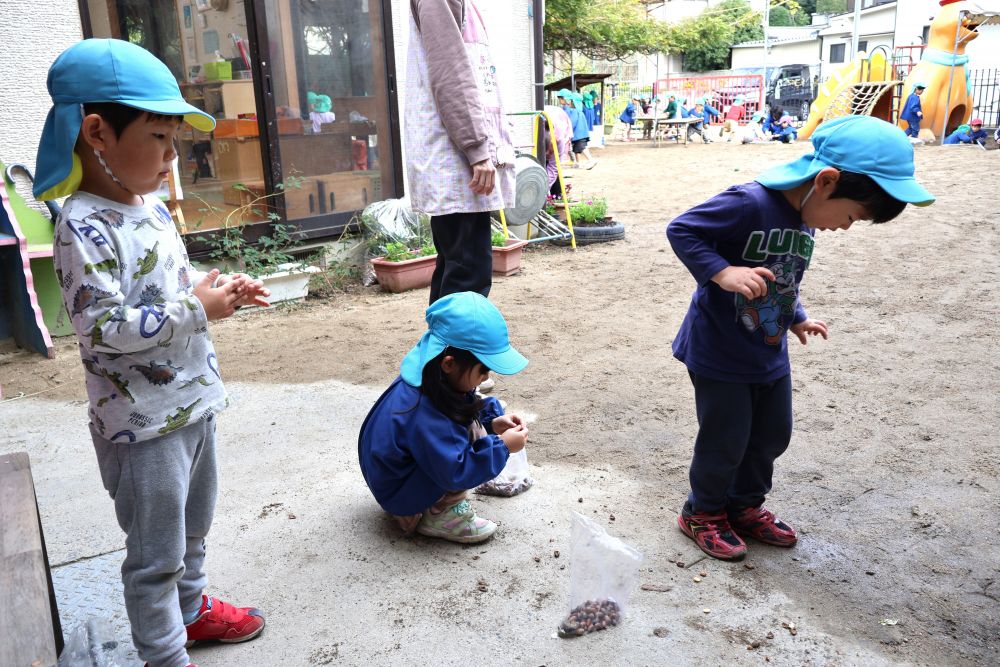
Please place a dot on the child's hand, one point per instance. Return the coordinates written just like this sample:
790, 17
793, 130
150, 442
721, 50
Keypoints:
218, 302
750, 282
251, 291
504, 422
515, 438
811, 327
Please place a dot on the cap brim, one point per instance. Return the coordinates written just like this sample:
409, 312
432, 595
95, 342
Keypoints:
793, 174
57, 169
508, 362
193, 116
907, 190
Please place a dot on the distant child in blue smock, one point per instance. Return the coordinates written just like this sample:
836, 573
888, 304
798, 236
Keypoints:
628, 116
572, 104
748, 248
973, 133
912, 113
784, 132
430, 437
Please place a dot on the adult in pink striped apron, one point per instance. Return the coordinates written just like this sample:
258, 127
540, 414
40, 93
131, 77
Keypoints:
459, 154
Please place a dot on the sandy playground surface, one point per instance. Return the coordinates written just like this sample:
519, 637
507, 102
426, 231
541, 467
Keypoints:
891, 478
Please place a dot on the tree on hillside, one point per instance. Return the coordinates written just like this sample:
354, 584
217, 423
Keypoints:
705, 40
831, 6
791, 12
603, 29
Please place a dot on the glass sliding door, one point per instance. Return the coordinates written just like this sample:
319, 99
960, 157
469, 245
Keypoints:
203, 43
331, 93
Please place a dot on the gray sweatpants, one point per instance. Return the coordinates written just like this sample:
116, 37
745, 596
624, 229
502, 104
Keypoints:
164, 491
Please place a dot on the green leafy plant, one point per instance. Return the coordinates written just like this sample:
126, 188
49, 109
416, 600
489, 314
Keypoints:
228, 244
589, 211
396, 251
498, 239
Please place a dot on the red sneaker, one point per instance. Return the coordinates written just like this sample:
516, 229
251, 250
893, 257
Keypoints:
761, 524
220, 621
712, 534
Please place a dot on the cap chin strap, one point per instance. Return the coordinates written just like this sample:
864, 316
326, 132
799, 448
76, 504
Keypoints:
805, 198
107, 170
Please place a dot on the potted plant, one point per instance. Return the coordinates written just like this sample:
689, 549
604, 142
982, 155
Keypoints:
270, 257
403, 268
591, 222
506, 254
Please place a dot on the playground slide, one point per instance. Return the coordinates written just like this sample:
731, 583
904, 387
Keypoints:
863, 68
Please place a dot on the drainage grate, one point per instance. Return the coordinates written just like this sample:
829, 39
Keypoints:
92, 590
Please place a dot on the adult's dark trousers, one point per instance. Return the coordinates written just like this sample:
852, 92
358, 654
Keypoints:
464, 254
742, 429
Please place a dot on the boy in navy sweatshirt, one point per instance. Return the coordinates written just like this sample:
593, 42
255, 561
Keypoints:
748, 248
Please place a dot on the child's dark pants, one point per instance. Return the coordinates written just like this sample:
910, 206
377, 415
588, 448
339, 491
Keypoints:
742, 429
465, 254
913, 128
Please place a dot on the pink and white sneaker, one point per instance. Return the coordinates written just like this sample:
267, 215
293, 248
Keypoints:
458, 523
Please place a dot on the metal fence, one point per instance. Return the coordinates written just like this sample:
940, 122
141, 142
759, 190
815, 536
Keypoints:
985, 88
723, 90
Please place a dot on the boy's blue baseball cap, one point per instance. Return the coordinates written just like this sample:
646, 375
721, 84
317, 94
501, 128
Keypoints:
467, 321
863, 145
101, 70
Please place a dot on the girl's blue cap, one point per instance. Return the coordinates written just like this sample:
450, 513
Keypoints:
467, 321
863, 145
101, 70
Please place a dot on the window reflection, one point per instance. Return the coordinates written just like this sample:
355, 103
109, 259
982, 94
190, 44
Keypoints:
329, 72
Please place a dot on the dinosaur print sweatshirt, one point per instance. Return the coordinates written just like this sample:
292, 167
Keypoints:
127, 285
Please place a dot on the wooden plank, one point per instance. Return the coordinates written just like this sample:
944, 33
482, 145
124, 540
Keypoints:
26, 610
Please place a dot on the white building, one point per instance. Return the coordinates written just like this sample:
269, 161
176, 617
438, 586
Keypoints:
889, 24
799, 45
877, 28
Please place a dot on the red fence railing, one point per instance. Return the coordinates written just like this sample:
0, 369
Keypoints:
722, 89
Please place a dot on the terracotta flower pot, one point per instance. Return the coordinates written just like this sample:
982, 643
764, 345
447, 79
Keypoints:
406, 275
507, 260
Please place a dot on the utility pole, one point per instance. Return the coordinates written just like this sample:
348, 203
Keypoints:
856, 31
767, 80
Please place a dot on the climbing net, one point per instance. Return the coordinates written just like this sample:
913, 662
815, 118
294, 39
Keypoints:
859, 99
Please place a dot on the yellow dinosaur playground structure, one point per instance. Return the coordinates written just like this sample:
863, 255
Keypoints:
947, 101
868, 85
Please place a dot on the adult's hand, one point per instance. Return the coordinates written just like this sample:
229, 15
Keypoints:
483, 177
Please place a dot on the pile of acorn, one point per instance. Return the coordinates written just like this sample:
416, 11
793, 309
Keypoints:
591, 616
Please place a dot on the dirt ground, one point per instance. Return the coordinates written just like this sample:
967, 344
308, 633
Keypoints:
892, 474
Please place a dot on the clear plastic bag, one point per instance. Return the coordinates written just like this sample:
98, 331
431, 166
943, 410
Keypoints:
392, 226
603, 572
93, 644
515, 478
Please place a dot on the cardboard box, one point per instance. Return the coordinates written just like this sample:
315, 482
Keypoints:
232, 127
238, 160
345, 191
300, 203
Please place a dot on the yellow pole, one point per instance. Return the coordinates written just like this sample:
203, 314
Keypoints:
503, 223
562, 183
